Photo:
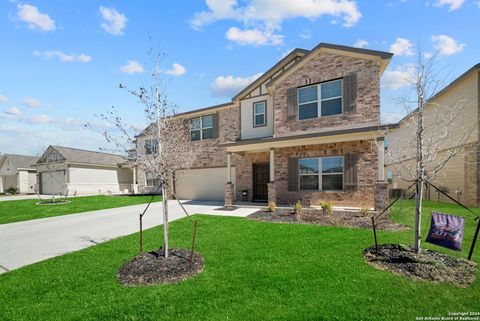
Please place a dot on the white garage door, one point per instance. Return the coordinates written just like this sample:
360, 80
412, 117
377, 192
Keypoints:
53, 182
202, 184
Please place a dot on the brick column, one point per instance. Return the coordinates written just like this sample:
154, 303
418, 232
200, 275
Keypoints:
381, 196
272, 192
229, 197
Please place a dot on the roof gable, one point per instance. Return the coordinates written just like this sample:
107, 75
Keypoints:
19, 161
286, 63
74, 155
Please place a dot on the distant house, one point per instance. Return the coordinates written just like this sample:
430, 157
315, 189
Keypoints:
17, 171
65, 170
461, 176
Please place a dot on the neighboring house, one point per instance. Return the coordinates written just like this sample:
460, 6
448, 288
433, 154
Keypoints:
64, 170
460, 177
308, 128
17, 171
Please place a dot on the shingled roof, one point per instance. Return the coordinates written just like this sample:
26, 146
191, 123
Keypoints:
20, 161
74, 155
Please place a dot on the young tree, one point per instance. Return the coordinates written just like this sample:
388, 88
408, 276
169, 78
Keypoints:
435, 137
169, 148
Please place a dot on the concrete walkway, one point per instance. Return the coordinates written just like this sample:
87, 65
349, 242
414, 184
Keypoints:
24, 243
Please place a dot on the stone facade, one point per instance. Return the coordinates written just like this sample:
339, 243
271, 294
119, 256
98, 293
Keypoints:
229, 194
324, 67
244, 170
381, 196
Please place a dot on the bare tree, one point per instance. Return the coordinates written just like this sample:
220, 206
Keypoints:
434, 136
169, 150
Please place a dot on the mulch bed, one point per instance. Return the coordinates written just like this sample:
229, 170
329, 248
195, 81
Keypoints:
226, 208
426, 265
316, 216
149, 268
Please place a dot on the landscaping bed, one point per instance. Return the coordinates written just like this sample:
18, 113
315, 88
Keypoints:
152, 268
344, 218
425, 265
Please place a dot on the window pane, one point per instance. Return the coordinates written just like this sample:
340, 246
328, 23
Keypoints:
332, 182
149, 175
309, 182
332, 165
260, 108
196, 123
332, 107
307, 94
308, 111
331, 89
195, 134
260, 119
207, 133
207, 121
308, 165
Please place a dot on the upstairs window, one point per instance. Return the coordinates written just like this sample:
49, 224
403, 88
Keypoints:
201, 128
321, 174
320, 100
151, 146
259, 114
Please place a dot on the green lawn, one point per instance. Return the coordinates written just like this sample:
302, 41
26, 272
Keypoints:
254, 271
24, 210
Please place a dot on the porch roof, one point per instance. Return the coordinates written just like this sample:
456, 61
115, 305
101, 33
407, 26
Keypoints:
316, 138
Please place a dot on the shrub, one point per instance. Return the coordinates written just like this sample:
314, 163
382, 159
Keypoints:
298, 210
365, 210
327, 207
12, 190
272, 205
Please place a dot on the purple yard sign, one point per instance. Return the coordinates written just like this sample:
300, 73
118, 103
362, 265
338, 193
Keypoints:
446, 230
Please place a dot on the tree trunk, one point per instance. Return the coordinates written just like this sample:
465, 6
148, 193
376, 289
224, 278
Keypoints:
165, 221
418, 215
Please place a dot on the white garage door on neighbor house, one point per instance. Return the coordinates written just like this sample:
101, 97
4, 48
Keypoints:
206, 184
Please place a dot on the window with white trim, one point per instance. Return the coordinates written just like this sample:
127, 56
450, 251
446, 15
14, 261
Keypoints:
151, 179
259, 113
320, 100
151, 146
321, 173
201, 128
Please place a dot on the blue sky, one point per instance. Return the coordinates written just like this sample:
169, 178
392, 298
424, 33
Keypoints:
61, 61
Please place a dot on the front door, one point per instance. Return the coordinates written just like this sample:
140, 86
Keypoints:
260, 180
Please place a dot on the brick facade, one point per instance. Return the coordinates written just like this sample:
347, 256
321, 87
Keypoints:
324, 67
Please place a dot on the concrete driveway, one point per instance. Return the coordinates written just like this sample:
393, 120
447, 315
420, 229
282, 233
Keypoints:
24, 243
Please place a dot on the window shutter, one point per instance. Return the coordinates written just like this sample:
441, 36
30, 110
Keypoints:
293, 174
215, 125
292, 104
350, 93
350, 172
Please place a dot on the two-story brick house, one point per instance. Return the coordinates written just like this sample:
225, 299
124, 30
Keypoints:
307, 128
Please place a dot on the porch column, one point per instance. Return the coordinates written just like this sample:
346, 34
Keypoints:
229, 167
272, 192
134, 181
381, 159
272, 166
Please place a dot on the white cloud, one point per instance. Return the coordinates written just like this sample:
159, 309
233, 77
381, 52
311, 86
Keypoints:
13, 111
402, 47
177, 70
389, 118
132, 67
62, 56
452, 4
254, 37
113, 21
228, 86
399, 77
3, 99
360, 43
32, 102
39, 119
266, 16
34, 18
478, 3
306, 34
447, 45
